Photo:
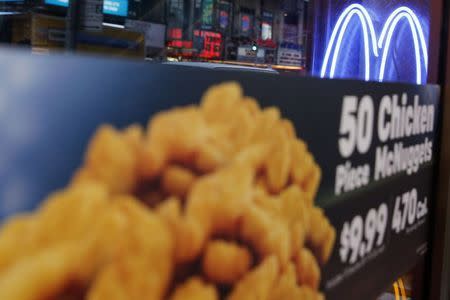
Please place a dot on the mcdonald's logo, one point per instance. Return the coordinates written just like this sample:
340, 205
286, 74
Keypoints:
376, 47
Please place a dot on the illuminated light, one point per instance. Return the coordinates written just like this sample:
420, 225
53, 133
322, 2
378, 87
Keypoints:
417, 25
343, 18
113, 25
402, 288
418, 36
382, 44
388, 40
339, 42
396, 292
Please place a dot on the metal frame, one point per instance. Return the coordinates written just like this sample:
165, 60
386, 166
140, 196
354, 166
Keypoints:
438, 270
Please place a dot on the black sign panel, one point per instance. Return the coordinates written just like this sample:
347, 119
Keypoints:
375, 144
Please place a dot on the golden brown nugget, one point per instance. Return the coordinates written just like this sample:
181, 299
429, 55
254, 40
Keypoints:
42, 275
219, 102
301, 162
321, 235
251, 104
308, 270
208, 158
296, 211
225, 262
258, 283
142, 265
195, 289
311, 185
50, 225
254, 155
214, 204
266, 234
111, 160
286, 285
177, 180
306, 293
265, 121
278, 162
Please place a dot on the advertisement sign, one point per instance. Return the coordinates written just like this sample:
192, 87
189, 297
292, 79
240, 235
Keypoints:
246, 53
154, 33
91, 15
306, 186
289, 57
207, 13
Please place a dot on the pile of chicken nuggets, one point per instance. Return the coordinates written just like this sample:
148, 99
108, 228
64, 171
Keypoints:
214, 201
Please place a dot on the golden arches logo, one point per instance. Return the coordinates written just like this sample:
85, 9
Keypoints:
372, 44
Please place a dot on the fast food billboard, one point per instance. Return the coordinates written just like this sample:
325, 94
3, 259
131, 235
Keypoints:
351, 166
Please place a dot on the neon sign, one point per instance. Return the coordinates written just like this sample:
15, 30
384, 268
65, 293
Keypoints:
372, 44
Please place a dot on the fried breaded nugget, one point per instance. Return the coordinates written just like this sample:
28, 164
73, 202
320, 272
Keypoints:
112, 159
267, 234
43, 274
187, 232
48, 270
258, 283
173, 136
306, 293
300, 161
311, 185
142, 265
296, 211
308, 271
286, 285
209, 157
220, 101
80, 204
177, 180
321, 235
214, 204
278, 162
195, 289
254, 155
225, 262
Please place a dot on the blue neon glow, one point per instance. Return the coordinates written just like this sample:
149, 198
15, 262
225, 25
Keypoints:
111, 7
371, 41
366, 21
63, 3
418, 36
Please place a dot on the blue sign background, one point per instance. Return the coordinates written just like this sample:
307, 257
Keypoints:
111, 7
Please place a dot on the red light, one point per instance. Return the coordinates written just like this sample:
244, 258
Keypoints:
175, 33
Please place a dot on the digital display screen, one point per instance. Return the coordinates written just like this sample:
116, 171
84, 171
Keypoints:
110, 7
115, 7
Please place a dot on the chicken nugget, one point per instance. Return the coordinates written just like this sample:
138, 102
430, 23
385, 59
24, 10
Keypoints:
26, 235
177, 180
219, 101
258, 283
321, 235
255, 155
301, 162
295, 209
218, 200
286, 285
307, 293
110, 159
142, 265
278, 162
195, 289
308, 270
43, 274
225, 262
251, 104
267, 234
311, 185
209, 157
